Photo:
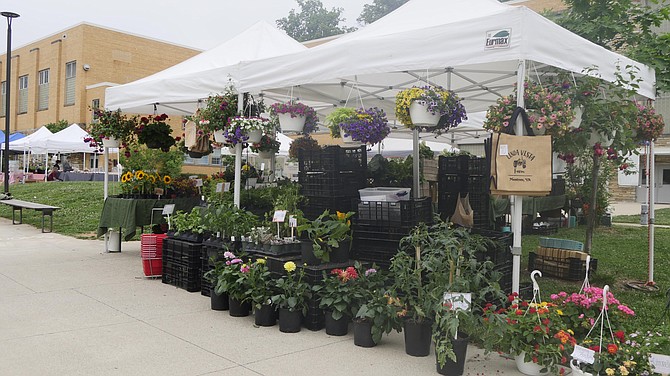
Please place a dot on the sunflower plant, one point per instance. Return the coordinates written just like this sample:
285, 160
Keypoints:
293, 291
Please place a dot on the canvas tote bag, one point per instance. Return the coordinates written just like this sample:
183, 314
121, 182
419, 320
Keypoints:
521, 165
463, 215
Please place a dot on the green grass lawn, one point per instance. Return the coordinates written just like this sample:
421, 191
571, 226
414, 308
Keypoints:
621, 250
662, 217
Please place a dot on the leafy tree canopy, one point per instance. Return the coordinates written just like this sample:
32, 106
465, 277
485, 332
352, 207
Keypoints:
624, 26
57, 126
313, 21
378, 9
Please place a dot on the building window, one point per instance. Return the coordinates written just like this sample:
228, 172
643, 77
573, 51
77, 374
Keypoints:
70, 79
666, 177
95, 104
3, 98
43, 90
216, 157
23, 95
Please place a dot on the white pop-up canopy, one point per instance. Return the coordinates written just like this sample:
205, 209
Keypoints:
68, 140
30, 142
176, 90
472, 47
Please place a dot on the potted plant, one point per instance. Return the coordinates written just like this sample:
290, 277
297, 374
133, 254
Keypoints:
304, 144
337, 297
534, 334
549, 110
368, 126
214, 116
430, 107
620, 354
154, 132
292, 296
189, 226
377, 315
219, 297
266, 147
110, 129
329, 238
295, 117
649, 125
260, 290
336, 117
246, 129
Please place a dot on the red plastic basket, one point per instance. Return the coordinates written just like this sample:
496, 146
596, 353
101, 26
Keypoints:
152, 267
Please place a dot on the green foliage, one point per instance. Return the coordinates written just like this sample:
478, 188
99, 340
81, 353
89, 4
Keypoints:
218, 109
339, 115
293, 292
57, 126
381, 310
378, 9
328, 231
142, 158
313, 21
226, 218
259, 283
154, 131
393, 172
111, 124
188, 221
624, 26
302, 143
338, 293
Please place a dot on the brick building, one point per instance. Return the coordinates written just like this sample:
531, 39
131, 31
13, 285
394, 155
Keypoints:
64, 74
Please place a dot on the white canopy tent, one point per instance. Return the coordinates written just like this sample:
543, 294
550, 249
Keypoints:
31, 142
68, 140
478, 48
177, 90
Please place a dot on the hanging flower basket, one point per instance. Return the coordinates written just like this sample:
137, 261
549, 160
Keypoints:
549, 110
649, 125
266, 147
254, 136
219, 136
295, 117
434, 102
367, 126
155, 132
246, 129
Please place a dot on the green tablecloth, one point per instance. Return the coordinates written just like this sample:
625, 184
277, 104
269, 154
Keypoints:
531, 205
129, 213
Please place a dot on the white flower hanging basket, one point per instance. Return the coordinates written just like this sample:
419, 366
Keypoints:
347, 139
110, 142
255, 136
420, 115
291, 124
219, 137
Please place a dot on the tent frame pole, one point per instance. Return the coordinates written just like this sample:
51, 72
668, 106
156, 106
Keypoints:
517, 201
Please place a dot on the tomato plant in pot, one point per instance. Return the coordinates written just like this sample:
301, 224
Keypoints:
329, 238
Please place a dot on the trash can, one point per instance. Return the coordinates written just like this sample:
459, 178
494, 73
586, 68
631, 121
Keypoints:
113, 241
644, 214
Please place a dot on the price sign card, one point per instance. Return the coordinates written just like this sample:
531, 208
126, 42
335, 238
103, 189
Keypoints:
583, 355
279, 216
292, 221
457, 300
660, 363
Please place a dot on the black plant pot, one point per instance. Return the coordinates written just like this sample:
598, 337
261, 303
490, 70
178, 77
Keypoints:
307, 253
289, 321
266, 315
219, 301
417, 337
237, 308
341, 253
337, 327
451, 368
363, 334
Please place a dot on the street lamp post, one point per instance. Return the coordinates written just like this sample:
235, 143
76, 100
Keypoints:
5, 161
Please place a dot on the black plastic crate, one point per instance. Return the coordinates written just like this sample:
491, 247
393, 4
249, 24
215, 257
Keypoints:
182, 276
557, 187
571, 268
478, 184
505, 281
499, 252
182, 252
453, 165
275, 264
331, 183
315, 206
478, 167
452, 183
333, 158
395, 214
314, 319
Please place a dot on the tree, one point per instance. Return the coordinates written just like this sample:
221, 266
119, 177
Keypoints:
57, 126
378, 9
624, 26
313, 21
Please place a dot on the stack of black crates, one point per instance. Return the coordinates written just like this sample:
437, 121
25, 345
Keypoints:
498, 252
182, 264
330, 178
380, 225
460, 176
212, 251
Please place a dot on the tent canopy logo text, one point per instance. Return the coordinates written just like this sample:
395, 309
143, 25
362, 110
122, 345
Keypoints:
498, 38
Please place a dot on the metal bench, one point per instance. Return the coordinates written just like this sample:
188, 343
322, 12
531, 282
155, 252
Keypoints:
47, 210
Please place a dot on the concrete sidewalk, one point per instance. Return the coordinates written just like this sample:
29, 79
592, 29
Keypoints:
67, 308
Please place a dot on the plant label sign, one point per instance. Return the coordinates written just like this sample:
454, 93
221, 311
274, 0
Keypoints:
292, 221
226, 187
457, 300
660, 363
583, 355
198, 182
279, 216
219, 187
158, 191
263, 166
168, 209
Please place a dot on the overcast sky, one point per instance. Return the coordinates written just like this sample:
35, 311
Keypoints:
195, 23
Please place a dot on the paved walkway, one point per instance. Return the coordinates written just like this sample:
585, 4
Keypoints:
67, 308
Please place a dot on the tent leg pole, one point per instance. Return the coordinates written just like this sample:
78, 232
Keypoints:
517, 201
415, 163
651, 215
106, 177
